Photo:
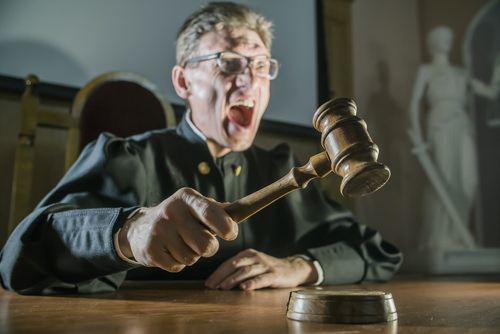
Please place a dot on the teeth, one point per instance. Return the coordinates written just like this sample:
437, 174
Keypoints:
248, 103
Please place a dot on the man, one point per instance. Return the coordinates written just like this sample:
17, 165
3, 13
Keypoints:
157, 199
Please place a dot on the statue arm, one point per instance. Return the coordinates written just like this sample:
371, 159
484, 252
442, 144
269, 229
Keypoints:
482, 89
492, 90
417, 94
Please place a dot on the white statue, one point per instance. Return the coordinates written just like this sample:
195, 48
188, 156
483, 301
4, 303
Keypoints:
447, 148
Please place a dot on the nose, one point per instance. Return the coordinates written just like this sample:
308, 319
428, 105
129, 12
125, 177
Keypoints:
245, 79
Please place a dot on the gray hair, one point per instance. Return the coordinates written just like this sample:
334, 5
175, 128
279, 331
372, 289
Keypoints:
217, 16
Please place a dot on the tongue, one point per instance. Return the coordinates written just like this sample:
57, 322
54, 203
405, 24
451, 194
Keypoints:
238, 115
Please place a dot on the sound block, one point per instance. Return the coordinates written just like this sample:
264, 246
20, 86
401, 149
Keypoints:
341, 306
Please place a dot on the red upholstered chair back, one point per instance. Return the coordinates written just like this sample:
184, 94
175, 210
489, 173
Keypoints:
121, 103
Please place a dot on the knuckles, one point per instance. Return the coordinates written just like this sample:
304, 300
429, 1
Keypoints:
190, 260
251, 252
153, 259
185, 192
229, 230
175, 268
208, 246
246, 270
207, 212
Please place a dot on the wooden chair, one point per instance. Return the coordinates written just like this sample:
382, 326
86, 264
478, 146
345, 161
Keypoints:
121, 103
118, 102
33, 116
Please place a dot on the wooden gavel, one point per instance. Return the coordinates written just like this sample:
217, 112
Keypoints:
349, 152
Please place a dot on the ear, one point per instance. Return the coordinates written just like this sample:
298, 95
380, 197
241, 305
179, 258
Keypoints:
180, 82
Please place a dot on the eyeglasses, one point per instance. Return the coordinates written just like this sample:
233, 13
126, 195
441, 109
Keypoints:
234, 63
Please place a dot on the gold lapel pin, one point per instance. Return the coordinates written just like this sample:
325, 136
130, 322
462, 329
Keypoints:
237, 170
203, 168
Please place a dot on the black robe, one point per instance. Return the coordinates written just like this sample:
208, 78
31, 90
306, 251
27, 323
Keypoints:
66, 243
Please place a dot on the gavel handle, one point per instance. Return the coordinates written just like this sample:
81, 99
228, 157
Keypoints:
319, 165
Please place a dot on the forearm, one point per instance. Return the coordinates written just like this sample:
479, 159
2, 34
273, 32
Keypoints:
487, 91
65, 250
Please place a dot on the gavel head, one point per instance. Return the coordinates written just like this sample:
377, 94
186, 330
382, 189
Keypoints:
352, 152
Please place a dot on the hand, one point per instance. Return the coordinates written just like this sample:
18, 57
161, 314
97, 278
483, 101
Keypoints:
177, 232
420, 147
250, 270
419, 144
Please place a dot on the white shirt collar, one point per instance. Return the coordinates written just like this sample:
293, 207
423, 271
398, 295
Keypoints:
193, 127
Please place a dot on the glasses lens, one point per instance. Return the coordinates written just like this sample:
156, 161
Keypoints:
262, 66
273, 69
265, 67
231, 63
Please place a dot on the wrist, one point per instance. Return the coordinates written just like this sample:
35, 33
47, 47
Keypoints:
122, 243
309, 274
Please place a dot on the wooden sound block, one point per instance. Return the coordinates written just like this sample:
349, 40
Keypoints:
341, 306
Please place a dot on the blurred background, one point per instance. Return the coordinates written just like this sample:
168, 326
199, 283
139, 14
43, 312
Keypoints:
370, 50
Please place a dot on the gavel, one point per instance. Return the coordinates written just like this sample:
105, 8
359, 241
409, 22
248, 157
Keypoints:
349, 152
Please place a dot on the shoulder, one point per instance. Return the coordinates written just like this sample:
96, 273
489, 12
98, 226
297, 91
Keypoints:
110, 145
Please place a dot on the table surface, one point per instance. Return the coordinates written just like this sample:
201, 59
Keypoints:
424, 305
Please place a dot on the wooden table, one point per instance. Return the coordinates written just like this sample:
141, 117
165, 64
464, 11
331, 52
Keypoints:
454, 305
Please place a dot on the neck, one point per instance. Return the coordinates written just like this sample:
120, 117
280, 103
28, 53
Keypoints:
440, 59
216, 150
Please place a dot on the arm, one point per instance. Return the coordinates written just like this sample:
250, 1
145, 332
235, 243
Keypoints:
66, 244
417, 94
487, 91
59, 248
63, 245
348, 252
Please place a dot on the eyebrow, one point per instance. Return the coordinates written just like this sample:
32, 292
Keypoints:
234, 41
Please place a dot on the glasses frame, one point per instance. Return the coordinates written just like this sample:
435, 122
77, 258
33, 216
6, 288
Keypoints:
217, 57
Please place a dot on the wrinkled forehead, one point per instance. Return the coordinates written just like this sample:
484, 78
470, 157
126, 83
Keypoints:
241, 40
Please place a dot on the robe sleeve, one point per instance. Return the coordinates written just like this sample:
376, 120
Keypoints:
66, 243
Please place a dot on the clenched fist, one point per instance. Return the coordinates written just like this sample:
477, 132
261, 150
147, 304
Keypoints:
177, 232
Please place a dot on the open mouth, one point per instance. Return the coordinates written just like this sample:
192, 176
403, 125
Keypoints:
241, 113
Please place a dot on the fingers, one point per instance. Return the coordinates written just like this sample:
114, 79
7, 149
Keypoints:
178, 249
210, 213
196, 236
156, 256
241, 275
178, 231
227, 273
259, 282
166, 262
250, 270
